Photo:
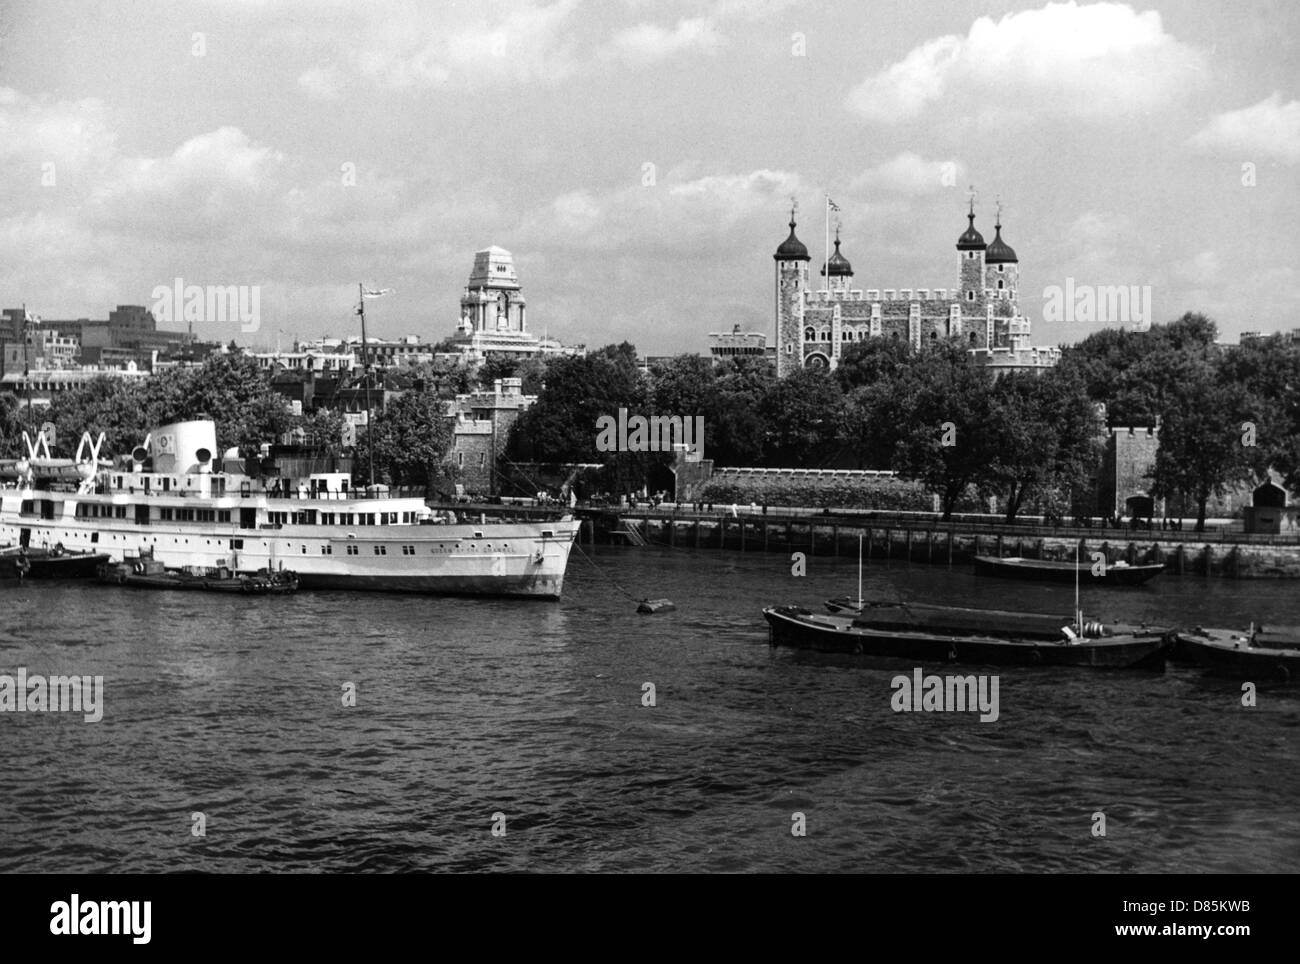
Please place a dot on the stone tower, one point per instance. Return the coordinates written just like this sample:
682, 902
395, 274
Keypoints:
791, 282
493, 300
1002, 282
970, 251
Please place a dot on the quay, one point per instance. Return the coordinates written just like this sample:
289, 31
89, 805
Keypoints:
918, 537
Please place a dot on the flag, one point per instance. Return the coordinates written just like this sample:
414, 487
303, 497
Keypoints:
831, 204
379, 293
30, 318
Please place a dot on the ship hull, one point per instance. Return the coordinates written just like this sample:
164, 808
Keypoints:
1042, 570
791, 626
525, 560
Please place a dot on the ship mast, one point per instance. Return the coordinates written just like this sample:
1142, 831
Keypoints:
27, 372
365, 363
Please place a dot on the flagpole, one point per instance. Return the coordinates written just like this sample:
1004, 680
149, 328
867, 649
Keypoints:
365, 363
826, 269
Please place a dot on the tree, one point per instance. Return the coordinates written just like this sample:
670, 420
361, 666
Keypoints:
946, 443
561, 424
11, 426
876, 376
865, 363
1136, 373
803, 413
1045, 433
735, 428
115, 407
321, 430
411, 437
229, 389
1269, 370
1201, 451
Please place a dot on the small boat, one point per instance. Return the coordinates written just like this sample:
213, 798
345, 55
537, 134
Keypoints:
148, 573
957, 635
1114, 574
1252, 655
24, 562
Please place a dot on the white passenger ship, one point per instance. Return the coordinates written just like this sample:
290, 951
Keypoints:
334, 537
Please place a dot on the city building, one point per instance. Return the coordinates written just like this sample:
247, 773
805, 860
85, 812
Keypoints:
493, 313
43, 385
814, 327
129, 334
315, 357
44, 348
736, 343
481, 429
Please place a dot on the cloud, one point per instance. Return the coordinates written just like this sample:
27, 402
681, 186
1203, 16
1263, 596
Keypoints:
321, 83
909, 173
663, 219
504, 42
68, 133
1268, 129
1096, 60
647, 43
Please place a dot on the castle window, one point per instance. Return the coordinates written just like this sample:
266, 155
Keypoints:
1001, 268
972, 337
789, 349
809, 334
970, 296
999, 284
934, 336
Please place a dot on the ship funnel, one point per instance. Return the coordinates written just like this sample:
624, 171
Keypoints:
176, 446
204, 458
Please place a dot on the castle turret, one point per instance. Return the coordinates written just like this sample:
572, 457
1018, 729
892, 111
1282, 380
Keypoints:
791, 282
970, 249
1002, 282
837, 271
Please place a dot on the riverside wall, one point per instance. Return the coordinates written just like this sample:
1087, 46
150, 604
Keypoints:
1225, 555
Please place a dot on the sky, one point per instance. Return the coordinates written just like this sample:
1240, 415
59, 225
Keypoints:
639, 158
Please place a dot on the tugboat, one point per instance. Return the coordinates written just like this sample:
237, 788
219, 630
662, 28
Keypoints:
1256, 654
21, 562
146, 572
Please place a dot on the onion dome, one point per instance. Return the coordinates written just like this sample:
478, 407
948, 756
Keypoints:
839, 265
792, 249
999, 252
971, 240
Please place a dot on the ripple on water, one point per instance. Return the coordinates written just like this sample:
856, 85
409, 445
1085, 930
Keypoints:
470, 708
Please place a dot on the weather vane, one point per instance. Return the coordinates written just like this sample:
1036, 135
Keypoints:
971, 195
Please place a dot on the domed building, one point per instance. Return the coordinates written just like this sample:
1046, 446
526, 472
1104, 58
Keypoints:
493, 313
814, 327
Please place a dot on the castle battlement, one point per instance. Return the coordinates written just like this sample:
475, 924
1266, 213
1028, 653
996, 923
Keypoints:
1149, 431
904, 295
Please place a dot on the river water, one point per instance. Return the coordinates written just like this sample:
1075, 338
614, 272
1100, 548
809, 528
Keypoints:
470, 708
